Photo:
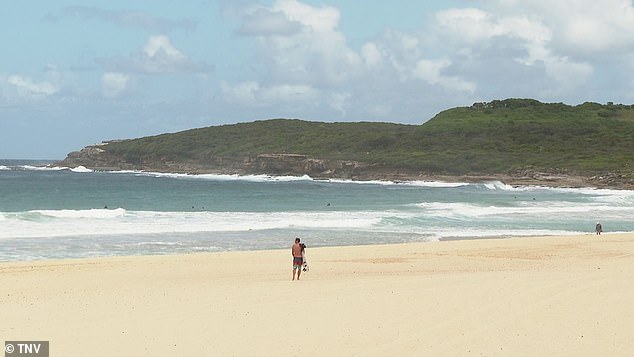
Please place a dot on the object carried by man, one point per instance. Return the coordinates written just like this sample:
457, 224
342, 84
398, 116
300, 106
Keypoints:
304, 261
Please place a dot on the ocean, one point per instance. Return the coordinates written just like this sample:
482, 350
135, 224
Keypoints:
51, 213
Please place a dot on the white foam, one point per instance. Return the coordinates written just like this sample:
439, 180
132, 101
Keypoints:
4, 168
525, 208
493, 233
348, 181
60, 223
271, 178
81, 169
78, 169
438, 184
33, 168
216, 177
254, 178
498, 185
74, 214
41, 168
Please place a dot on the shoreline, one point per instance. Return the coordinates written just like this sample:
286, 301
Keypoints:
251, 250
526, 179
553, 295
364, 245
519, 179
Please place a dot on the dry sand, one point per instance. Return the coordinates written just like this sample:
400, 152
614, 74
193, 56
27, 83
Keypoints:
550, 296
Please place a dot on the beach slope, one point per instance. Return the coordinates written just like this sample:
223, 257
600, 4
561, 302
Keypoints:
548, 296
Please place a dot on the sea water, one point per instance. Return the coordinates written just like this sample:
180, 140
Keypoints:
56, 212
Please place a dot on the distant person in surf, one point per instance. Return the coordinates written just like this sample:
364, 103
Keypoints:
598, 229
298, 258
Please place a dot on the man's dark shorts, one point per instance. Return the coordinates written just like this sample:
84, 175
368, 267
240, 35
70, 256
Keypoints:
297, 262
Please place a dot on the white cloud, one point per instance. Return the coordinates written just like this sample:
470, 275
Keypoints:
241, 93
158, 56
29, 88
162, 46
567, 73
324, 19
266, 22
252, 93
339, 102
431, 72
479, 29
289, 93
314, 51
114, 84
492, 49
472, 24
305, 54
472, 27
372, 56
402, 56
584, 26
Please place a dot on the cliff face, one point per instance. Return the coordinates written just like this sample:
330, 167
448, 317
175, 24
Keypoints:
92, 157
96, 158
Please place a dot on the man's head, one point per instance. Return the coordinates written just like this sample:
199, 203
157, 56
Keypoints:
296, 240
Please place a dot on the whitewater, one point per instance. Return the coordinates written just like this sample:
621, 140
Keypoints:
57, 212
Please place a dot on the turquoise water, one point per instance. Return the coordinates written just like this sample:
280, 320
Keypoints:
61, 213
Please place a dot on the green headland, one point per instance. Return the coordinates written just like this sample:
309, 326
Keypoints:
515, 140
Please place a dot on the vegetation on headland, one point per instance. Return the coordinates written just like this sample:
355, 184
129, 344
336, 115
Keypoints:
331, 141
499, 137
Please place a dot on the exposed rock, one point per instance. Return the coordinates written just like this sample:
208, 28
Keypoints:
91, 156
96, 158
284, 164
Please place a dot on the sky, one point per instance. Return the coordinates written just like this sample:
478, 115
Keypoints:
75, 73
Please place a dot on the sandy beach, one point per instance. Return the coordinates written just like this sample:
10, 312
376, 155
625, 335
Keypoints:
546, 296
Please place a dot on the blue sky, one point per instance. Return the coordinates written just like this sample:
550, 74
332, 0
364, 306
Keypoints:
74, 73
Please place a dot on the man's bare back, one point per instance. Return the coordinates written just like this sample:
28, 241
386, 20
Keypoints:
296, 250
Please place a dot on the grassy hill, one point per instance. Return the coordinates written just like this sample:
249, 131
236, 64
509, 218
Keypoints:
485, 138
505, 135
324, 140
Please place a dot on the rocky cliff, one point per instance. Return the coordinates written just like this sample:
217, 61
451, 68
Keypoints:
282, 164
277, 164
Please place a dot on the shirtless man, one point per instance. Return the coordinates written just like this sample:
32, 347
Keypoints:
296, 251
